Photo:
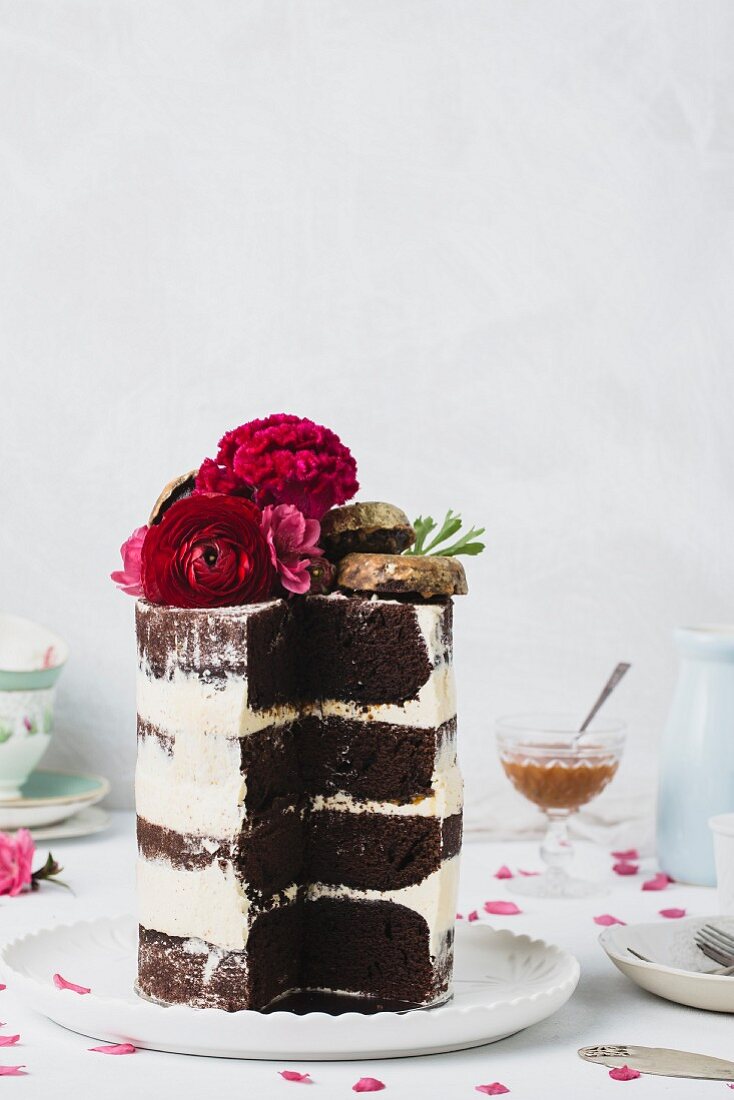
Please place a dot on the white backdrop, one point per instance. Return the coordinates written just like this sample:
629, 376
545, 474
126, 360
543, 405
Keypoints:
487, 241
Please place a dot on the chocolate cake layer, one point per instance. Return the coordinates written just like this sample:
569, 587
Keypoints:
364, 852
363, 651
301, 946
369, 760
372, 851
269, 761
451, 834
393, 957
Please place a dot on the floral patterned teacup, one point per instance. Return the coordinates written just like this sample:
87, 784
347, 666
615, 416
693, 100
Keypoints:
31, 660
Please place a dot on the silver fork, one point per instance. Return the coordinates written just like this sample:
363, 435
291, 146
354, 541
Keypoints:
716, 945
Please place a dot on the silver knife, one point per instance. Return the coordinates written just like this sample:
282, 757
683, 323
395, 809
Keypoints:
661, 1062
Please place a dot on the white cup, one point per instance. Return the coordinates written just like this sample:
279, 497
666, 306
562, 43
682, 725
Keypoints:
722, 826
31, 661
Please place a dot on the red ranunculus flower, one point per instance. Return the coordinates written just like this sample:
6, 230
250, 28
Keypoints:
283, 459
208, 551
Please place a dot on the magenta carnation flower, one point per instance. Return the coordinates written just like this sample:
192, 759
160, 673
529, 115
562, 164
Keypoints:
292, 540
283, 460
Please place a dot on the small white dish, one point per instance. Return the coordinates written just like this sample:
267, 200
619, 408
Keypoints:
49, 797
722, 826
504, 983
678, 971
86, 822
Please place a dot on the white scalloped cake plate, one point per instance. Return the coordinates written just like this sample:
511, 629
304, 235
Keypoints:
504, 983
679, 971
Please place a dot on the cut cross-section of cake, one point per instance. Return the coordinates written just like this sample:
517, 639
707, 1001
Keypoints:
299, 802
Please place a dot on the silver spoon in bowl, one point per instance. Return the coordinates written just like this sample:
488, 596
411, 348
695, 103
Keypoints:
604, 694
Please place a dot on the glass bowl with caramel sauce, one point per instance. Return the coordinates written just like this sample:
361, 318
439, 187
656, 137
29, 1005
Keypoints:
549, 764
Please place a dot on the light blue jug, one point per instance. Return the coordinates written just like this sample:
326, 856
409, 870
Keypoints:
697, 756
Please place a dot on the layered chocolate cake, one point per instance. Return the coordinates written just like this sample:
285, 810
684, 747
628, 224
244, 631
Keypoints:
298, 799
298, 796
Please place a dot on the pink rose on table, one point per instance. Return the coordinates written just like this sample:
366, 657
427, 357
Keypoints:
16, 858
16, 865
128, 578
292, 541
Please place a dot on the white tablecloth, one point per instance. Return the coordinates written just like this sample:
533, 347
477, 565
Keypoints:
538, 1063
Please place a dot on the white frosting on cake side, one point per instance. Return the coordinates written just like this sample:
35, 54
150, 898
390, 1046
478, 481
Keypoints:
196, 789
210, 904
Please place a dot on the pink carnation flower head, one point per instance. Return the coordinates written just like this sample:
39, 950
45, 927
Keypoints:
128, 578
292, 541
283, 459
16, 857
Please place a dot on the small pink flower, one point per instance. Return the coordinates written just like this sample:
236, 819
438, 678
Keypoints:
473, 916
368, 1084
62, 983
128, 578
630, 854
292, 541
504, 872
114, 1048
495, 1089
606, 919
27, 724
459, 916
657, 882
624, 1073
12, 1071
292, 1075
624, 868
673, 914
16, 857
501, 908
8, 1040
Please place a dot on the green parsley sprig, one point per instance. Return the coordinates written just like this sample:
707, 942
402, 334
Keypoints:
465, 544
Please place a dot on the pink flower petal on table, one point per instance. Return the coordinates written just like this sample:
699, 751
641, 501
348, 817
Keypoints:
501, 908
630, 854
495, 1089
625, 868
114, 1048
368, 1084
2, 987
672, 914
606, 919
473, 916
8, 1040
292, 1075
657, 882
504, 872
61, 983
12, 1071
528, 874
624, 1073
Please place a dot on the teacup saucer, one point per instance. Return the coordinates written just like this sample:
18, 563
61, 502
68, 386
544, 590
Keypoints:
49, 797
